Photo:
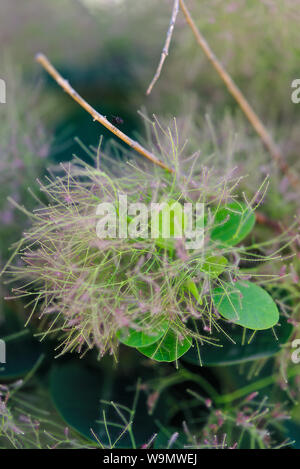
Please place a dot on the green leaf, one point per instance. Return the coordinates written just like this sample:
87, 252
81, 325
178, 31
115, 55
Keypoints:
214, 265
168, 349
191, 287
247, 305
234, 222
143, 337
78, 392
263, 345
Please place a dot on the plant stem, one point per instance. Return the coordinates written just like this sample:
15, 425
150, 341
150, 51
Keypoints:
166, 47
44, 61
260, 384
16, 335
241, 100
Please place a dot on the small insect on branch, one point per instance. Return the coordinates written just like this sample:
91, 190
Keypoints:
117, 120
44, 61
166, 47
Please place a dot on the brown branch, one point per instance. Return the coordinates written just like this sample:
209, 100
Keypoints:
262, 219
166, 47
43, 60
242, 101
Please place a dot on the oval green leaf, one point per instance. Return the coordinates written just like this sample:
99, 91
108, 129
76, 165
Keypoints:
247, 305
168, 349
263, 345
214, 265
81, 395
143, 337
233, 223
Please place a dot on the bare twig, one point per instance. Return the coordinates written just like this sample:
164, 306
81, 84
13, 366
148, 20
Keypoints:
242, 101
43, 60
165, 50
262, 219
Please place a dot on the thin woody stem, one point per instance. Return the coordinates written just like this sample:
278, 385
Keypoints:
242, 101
264, 220
43, 60
166, 47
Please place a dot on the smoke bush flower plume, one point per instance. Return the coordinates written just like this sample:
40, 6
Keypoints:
86, 289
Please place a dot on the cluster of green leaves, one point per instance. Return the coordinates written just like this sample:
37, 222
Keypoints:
242, 303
